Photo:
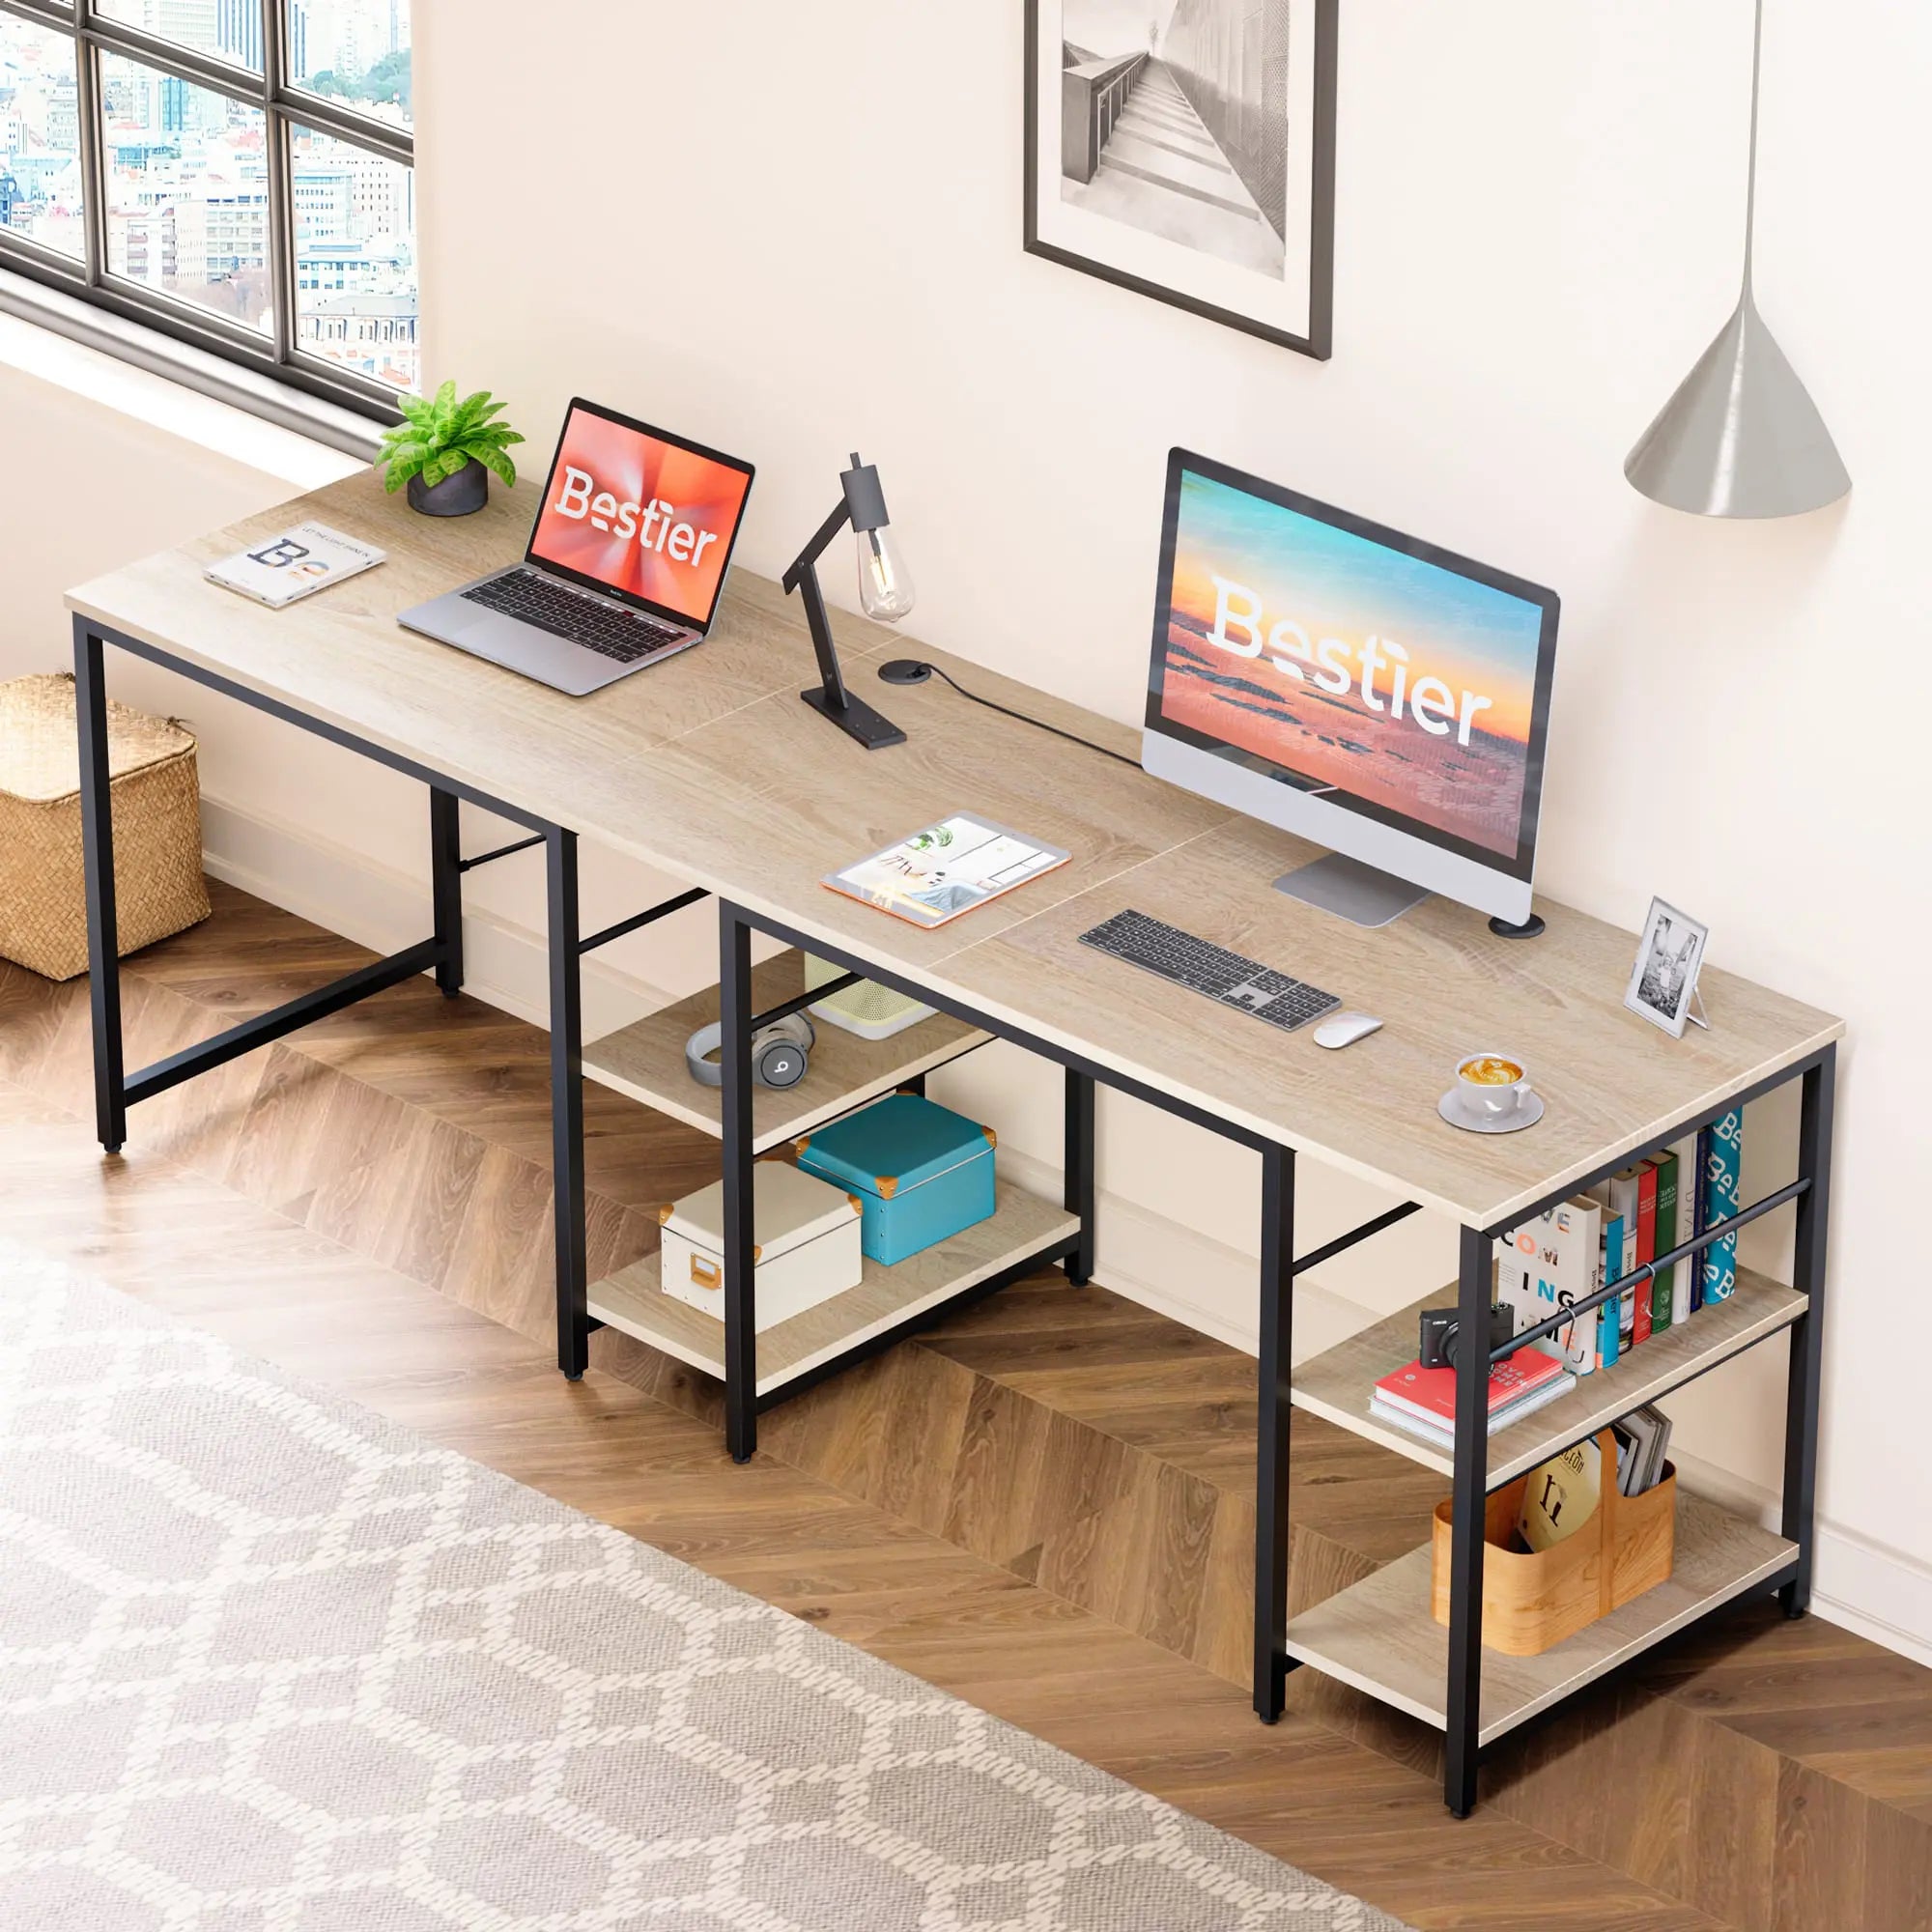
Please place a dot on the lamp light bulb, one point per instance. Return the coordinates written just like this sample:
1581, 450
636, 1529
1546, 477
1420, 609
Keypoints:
885, 584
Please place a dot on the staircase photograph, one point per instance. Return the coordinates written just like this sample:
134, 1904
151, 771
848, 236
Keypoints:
1184, 133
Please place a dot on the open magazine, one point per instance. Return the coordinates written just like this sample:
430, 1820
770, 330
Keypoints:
946, 870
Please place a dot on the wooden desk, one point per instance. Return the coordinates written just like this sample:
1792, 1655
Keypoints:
709, 769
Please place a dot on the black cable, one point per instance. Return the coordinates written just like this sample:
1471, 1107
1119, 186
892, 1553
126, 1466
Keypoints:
1038, 723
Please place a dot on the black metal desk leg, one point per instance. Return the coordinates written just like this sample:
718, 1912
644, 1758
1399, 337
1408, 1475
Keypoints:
1467, 1509
741, 1315
1807, 1332
566, 1104
445, 876
1277, 1305
1079, 1170
96, 840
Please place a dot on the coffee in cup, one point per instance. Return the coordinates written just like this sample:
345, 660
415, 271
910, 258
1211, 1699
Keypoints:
1492, 1083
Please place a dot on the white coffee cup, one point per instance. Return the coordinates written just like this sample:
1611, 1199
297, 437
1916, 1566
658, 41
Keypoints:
1492, 1083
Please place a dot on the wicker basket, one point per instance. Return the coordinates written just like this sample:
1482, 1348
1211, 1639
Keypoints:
157, 883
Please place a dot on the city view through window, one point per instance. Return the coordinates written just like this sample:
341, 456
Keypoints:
193, 139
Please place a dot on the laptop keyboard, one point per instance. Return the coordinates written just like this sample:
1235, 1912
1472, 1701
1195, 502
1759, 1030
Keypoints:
532, 598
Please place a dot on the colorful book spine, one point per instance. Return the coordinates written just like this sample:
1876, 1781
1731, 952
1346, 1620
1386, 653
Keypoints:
1618, 1195
1610, 1267
1663, 1286
1724, 1139
1647, 1250
1689, 1152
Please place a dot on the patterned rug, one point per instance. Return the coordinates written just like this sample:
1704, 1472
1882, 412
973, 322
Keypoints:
271, 1663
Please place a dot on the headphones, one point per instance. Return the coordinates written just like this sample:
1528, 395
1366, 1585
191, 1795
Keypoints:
781, 1053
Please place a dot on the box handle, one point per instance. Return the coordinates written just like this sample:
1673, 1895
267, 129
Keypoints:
706, 1274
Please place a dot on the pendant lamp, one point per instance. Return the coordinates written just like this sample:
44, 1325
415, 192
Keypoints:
1741, 437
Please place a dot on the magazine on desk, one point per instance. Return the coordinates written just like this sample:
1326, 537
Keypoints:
947, 868
294, 564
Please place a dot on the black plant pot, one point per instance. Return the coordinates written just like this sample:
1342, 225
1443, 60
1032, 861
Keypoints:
458, 495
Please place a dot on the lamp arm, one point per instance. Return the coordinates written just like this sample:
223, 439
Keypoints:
802, 577
838, 521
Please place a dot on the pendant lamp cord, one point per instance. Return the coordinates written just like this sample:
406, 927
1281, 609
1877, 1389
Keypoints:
1750, 184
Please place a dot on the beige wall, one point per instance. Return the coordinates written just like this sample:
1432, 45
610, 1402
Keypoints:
812, 243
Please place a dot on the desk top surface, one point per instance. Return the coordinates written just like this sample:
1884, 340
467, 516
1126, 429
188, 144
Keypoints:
708, 767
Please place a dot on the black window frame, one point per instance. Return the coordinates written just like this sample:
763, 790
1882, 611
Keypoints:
285, 107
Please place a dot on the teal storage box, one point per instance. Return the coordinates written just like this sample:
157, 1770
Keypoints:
922, 1172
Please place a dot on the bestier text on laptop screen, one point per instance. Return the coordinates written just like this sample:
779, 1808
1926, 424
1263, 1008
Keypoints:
641, 516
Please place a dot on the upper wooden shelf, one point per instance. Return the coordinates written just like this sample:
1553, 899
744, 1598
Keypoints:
646, 1061
1336, 1384
1380, 1635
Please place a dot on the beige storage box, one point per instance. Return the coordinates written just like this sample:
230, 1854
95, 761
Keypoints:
157, 885
806, 1235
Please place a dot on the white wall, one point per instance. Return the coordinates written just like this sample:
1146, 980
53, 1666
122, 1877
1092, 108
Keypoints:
812, 243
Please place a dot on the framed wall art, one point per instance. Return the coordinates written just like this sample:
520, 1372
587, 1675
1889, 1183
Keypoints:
1185, 149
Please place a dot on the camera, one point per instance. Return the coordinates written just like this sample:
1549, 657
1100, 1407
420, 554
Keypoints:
1437, 1347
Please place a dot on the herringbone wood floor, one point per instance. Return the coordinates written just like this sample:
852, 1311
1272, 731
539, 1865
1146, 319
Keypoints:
1042, 1507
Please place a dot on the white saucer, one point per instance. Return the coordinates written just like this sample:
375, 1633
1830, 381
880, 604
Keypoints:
1452, 1110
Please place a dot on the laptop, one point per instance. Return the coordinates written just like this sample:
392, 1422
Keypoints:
625, 565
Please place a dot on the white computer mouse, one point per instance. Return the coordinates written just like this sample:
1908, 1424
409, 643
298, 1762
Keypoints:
1346, 1029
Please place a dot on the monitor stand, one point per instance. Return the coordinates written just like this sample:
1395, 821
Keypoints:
1351, 889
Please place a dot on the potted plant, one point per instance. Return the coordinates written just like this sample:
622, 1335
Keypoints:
446, 450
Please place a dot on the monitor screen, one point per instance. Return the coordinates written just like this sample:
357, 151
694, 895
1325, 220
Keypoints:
641, 515
1393, 679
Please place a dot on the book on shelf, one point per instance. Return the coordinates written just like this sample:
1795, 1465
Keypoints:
1553, 1262
1643, 1441
1647, 1251
1610, 1269
1664, 1229
1689, 1294
1423, 1400
1618, 1194
1723, 1142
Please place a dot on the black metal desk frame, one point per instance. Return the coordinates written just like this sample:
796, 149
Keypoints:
116, 1091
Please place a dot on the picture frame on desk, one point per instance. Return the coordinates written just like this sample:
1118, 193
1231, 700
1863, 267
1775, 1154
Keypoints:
1663, 980
1214, 190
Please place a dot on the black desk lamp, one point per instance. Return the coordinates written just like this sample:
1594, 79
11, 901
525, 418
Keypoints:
885, 594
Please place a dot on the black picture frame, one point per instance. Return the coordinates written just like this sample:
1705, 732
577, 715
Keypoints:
1318, 342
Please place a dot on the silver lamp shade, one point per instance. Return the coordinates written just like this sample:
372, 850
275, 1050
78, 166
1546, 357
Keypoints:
1741, 437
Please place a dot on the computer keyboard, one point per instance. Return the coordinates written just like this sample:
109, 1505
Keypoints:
1178, 956
598, 627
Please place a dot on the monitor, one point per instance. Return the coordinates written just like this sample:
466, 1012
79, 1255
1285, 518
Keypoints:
1381, 696
640, 514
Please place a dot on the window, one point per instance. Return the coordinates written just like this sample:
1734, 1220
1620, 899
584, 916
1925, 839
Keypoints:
236, 172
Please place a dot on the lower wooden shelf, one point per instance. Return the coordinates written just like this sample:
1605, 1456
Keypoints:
1022, 1224
1379, 1637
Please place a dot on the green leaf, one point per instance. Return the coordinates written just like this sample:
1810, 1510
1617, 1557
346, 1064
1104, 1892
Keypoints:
494, 461
396, 478
409, 457
415, 409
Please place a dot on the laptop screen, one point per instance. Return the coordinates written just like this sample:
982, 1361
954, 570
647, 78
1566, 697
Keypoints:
640, 514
